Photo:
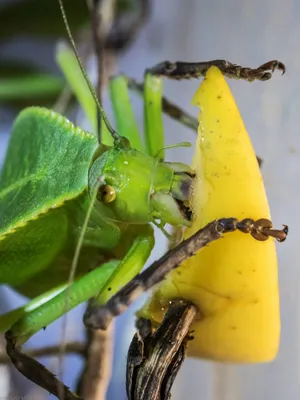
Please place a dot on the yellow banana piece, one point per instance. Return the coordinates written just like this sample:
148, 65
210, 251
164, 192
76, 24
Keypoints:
233, 281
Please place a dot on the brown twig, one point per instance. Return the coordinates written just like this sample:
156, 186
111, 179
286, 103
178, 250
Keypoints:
154, 359
97, 371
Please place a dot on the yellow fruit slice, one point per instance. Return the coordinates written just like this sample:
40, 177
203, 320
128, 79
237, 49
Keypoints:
233, 281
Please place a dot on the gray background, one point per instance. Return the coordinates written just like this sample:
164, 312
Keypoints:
248, 33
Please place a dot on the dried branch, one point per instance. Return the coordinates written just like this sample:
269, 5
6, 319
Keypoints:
154, 359
96, 375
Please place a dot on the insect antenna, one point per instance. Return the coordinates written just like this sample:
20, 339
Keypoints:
71, 279
117, 138
118, 141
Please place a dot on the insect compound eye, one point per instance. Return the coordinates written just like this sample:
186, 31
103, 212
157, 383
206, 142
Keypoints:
106, 193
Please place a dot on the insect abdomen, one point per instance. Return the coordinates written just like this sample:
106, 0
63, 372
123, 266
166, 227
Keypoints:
32, 248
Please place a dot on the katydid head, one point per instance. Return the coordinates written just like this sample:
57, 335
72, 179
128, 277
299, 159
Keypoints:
136, 188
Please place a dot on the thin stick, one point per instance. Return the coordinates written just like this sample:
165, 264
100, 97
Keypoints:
94, 381
154, 359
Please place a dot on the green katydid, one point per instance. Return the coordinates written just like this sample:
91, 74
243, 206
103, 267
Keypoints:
61, 191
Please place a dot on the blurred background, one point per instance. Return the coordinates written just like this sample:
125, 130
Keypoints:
244, 32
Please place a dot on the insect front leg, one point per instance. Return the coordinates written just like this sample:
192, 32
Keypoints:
260, 230
187, 70
155, 103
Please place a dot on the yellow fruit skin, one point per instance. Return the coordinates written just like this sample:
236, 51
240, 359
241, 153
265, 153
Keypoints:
233, 281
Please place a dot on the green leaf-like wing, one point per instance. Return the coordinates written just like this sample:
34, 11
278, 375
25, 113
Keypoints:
47, 163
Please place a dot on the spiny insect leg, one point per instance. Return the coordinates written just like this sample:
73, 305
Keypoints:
100, 317
187, 70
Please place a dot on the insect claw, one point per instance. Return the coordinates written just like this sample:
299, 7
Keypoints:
279, 234
261, 229
264, 226
271, 66
285, 229
264, 230
279, 66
